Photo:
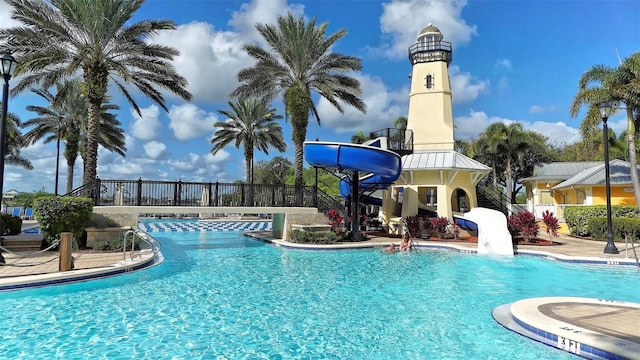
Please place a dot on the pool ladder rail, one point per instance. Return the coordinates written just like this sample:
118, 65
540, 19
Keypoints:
154, 245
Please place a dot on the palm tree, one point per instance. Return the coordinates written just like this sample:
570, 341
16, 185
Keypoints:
505, 142
400, 122
98, 41
65, 119
298, 63
15, 142
252, 124
622, 84
359, 138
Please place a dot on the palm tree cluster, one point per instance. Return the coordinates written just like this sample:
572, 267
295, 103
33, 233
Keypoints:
70, 52
621, 85
94, 42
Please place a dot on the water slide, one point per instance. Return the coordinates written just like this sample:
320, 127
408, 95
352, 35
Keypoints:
493, 235
382, 167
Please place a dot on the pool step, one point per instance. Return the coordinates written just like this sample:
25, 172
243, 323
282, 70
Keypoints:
22, 245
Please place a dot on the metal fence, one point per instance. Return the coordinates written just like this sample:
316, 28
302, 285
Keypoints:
182, 193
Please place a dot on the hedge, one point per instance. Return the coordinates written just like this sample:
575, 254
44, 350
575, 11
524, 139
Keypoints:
577, 217
619, 226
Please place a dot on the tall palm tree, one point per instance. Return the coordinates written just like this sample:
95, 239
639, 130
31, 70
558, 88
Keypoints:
622, 84
15, 142
297, 63
252, 124
97, 41
65, 119
505, 142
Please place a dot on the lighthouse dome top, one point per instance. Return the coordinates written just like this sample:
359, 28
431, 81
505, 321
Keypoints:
431, 32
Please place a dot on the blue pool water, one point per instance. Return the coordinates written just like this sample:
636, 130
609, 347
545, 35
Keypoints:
219, 295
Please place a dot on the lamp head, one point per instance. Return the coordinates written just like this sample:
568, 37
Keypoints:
605, 109
7, 66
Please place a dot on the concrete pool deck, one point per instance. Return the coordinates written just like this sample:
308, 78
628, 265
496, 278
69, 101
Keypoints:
591, 328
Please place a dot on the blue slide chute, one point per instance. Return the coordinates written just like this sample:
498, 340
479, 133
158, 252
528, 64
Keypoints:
382, 167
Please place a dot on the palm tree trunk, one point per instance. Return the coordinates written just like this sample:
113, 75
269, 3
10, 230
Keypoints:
631, 139
91, 159
298, 105
70, 165
508, 176
248, 158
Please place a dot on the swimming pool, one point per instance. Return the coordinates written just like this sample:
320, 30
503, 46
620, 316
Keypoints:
219, 295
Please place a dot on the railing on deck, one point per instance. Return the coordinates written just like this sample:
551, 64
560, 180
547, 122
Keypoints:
556, 209
182, 193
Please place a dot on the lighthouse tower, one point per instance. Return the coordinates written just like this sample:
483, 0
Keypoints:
435, 180
430, 115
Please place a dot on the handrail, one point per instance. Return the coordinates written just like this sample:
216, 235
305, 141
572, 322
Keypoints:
500, 200
154, 245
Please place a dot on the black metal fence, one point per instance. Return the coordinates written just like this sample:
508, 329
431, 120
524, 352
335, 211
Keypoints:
182, 193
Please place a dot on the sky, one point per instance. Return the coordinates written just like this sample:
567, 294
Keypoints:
512, 61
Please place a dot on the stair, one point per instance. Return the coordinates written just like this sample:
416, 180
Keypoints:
22, 243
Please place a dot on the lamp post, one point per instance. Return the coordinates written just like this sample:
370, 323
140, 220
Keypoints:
605, 110
7, 66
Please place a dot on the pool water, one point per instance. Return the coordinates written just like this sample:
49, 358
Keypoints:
219, 295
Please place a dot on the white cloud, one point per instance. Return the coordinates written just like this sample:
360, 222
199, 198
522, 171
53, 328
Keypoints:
466, 87
209, 59
444, 14
537, 109
383, 107
188, 121
5, 16
155, 150
503, 64
470, 127
263, 12
145, 127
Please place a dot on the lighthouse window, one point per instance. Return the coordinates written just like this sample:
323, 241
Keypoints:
428, 81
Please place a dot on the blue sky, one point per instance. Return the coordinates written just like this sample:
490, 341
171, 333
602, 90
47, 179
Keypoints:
512, 61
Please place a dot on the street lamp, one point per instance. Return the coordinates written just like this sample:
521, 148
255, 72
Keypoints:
606, 109
7, 66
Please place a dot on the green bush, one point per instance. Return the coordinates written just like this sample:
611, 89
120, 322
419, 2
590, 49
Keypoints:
619, 226
56, 215
320, 237
577, 217
116, 244
10, 225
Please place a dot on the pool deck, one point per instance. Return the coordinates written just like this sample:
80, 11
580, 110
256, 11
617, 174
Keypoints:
591, 328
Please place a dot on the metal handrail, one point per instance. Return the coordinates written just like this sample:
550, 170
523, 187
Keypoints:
154, 245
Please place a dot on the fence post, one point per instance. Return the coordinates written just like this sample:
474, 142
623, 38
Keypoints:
97, 190
216, 201
66, 260
139, 195
242, 186
284, 195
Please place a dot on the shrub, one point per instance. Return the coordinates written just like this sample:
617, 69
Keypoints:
304, 236
523, 224
56, 214
440, 225
620, 227
577, 217
551, 222
10, 225
413, 225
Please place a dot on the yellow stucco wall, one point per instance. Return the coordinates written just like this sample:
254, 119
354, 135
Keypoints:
618, 195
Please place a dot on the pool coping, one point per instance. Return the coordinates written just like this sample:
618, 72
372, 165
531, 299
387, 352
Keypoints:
66, 277
525, 317
447, 246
